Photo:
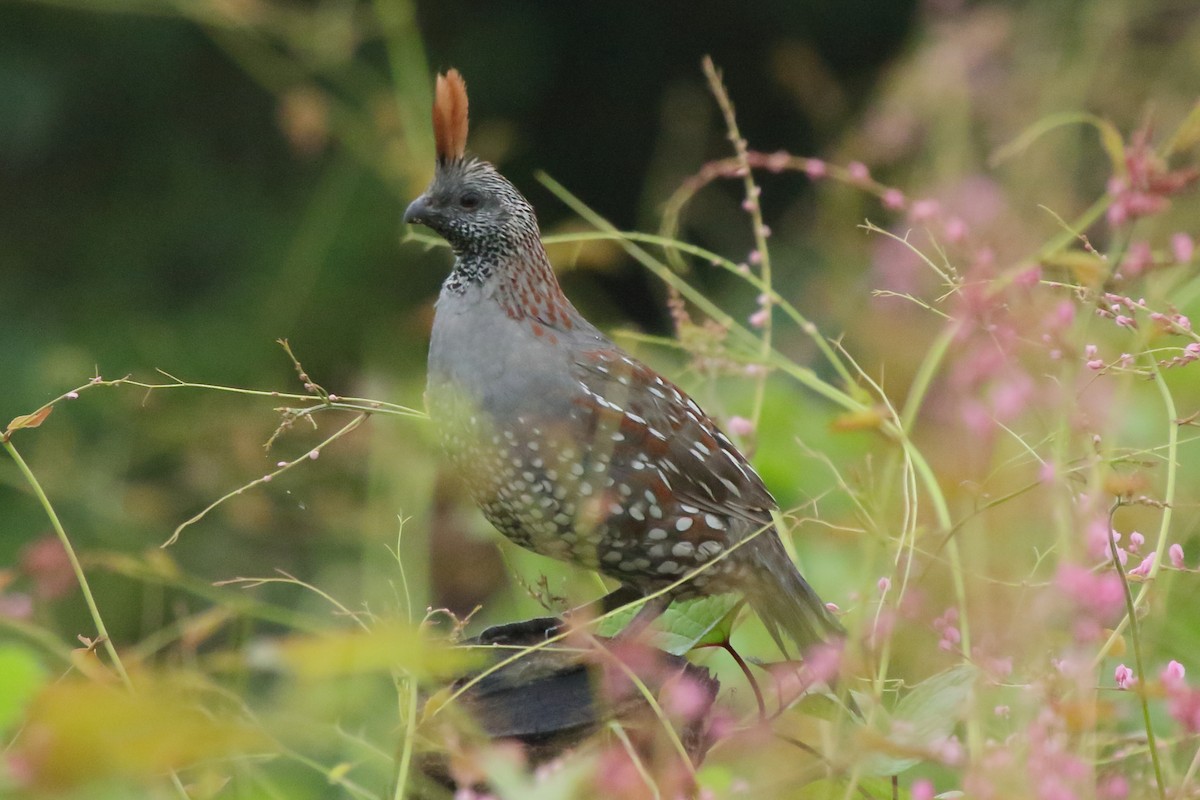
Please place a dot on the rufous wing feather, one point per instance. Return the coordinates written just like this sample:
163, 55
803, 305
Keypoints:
450, 116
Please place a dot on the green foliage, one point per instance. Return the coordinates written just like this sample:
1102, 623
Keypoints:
955, 402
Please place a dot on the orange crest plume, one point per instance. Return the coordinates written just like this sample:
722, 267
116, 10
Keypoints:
450, 117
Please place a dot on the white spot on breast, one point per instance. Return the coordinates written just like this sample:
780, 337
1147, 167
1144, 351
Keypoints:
656, 533
683, 524
714, 522
682, 549
668, 568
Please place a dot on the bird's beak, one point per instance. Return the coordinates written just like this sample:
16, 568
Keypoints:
417, 211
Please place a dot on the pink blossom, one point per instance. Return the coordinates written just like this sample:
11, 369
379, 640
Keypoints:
1047, 472
924, 210
815, 168
749, 204
1113, 787
686, 698
955, 229
1002, 711
759, 318
884, 584
1096, 364
1175, 552
1182, 247
72, 395
1100, 594
1142, 570
1125, 322
314, 454
755, 257
740, 426
1136, 540
1173, 674
921, 790
858, 172
893, 199
1124, 677
1090, 351
1138, 259
1184, 705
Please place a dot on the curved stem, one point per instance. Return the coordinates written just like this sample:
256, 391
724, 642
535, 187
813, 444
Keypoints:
76, 567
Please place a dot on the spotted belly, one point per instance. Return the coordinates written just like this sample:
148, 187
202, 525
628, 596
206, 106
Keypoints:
579, 505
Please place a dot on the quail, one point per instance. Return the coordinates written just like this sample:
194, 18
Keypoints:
571, 447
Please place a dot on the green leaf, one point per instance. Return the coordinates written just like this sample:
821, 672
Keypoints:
1110, 137
1186, 136
347, 652
21, 675
702, 622
921, 720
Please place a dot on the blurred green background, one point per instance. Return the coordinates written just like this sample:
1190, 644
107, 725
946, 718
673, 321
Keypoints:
185, 182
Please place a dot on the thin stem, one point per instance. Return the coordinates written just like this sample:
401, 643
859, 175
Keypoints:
752, 203
1135, 637
410, 734
80, 577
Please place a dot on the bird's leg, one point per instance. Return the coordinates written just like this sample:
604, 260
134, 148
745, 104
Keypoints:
651, 610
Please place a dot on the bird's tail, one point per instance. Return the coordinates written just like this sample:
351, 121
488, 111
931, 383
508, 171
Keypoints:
784, 601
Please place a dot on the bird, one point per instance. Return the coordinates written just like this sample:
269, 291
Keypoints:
570, 446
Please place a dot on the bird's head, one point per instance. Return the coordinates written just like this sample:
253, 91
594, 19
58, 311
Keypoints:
468, 203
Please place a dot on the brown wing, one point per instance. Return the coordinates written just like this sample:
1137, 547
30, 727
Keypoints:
665, 431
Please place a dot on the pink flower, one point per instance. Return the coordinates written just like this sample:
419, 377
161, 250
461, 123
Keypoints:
858, 172
1175, 552
1142, 570
1047, 472
1172, 675
1184, 705
1182, 247
759, 318
955, 229
1124, 677
1125, 322
893, 199
686, 698
884, 584
740, 426
1096, 364
815, 168
1138, 259
921, 790
1136, 540
1114, 787
924, 210
1100, 594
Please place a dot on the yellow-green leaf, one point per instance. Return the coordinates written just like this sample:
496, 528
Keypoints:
80, 732
20, 676
382, 649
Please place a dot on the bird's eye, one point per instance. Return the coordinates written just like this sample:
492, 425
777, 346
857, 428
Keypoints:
469, 200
